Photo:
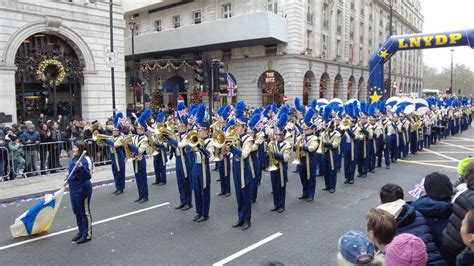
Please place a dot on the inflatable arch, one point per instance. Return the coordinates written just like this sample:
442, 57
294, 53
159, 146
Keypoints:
410, 42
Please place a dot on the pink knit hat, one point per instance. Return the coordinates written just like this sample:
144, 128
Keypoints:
406, 250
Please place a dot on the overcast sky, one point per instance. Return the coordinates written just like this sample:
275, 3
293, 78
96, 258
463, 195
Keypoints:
442, 15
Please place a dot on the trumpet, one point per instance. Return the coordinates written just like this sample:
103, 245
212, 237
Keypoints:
271, 158
321, 149
193, 139
99, 138
345, 125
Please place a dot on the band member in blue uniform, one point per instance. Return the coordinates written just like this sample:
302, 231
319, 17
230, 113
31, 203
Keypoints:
374, 138
404, 137
183, 170
385, 144
241, 168
395, 138
259, 138
138, 147
348, 149
80, 191
331, 140
201, 173
280, 151
307, 144
223, 157
118, 154
160, 157
362, 146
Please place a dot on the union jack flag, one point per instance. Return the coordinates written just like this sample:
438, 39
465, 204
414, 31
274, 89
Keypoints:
122, 121
419, 190
230, 86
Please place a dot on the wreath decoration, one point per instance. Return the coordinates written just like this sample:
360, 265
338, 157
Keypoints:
40, 73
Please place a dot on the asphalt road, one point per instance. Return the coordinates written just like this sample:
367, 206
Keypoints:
305, 234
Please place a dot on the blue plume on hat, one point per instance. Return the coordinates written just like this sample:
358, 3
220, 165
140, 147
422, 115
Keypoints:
255, 118
282, 118
274, 108
327, 114
313, 104
349, 108
364, 107
229, 124
146, 114
371, 110
181, 113
225, 112
308, 117
283, 109
117, 119
192, 109
298, 106
267, 110
356, 110
240, 108
200, 113
340, 111
160, 118
381, 107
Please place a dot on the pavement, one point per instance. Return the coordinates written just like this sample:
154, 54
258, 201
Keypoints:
36, 186
154, 232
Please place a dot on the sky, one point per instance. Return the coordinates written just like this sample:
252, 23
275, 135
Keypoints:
441, 16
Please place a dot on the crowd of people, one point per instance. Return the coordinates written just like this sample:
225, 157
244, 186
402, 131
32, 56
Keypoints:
435, 229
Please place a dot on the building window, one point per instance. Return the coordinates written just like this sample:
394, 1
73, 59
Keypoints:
176, 21
338, 49
272, 5
227, 54
309, 40
197, 17
227, 10
158, 25
271, 49
309, 12
324, 45
325, 17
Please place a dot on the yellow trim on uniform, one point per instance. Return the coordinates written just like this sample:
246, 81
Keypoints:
88, 215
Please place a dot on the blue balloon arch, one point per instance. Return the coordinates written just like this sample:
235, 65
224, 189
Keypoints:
410, 42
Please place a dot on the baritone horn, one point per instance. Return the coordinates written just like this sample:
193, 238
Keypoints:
193, 139
298, 148
99, 138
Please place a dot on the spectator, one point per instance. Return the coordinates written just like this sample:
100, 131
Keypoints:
436, 205
382, 228
53, 147
16, 150
409, 220
41, 120
466, 257
355, 248
463, 202
3, 155
2, 128
406, 250
29, 138
45, 137
71, 135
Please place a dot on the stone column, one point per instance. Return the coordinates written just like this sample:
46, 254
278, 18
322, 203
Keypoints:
8, 93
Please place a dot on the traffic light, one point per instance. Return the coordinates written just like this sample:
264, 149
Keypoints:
200, 71
221, 74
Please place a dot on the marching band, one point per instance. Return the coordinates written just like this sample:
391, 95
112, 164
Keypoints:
322, 137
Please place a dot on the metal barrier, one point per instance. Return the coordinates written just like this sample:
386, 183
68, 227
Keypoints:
4, 164
100, 154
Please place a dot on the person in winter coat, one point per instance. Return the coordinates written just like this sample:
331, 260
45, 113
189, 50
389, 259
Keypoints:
463, 202
16, 154
409, 220
436, 205
466, 257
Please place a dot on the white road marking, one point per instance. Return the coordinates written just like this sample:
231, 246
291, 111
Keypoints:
435, 161
430, 164
247, 249
442, 155
459, 139
75, 228
447, 152
458, 146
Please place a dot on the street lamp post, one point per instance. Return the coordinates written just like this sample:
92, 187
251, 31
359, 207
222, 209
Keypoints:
133, 25
451, 86
112, 71
389, 81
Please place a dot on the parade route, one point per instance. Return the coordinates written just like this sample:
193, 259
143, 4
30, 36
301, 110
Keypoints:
125, 232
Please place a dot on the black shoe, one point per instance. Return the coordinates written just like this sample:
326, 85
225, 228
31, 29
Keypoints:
359, 175
302, 197
350, 182
280, 210
196, 217
378, 166
218, 180
326, 188
274, 209
143, 200
372, 171
187, 207
119, 192
295, 171
254, 200
220, 194
77, 237
309, 199
346, 181
180, 206
227, 194
202, 218
332, 190
137, 200
161, 184
115, 192
363, 176
246, 226
387, 167
155, 183
82, 240
238, 224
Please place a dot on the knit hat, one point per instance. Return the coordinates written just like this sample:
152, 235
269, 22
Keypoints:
356, 248
406, 250
438, 186
464, 165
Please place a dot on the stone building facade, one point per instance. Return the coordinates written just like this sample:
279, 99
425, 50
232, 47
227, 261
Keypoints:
80, 26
